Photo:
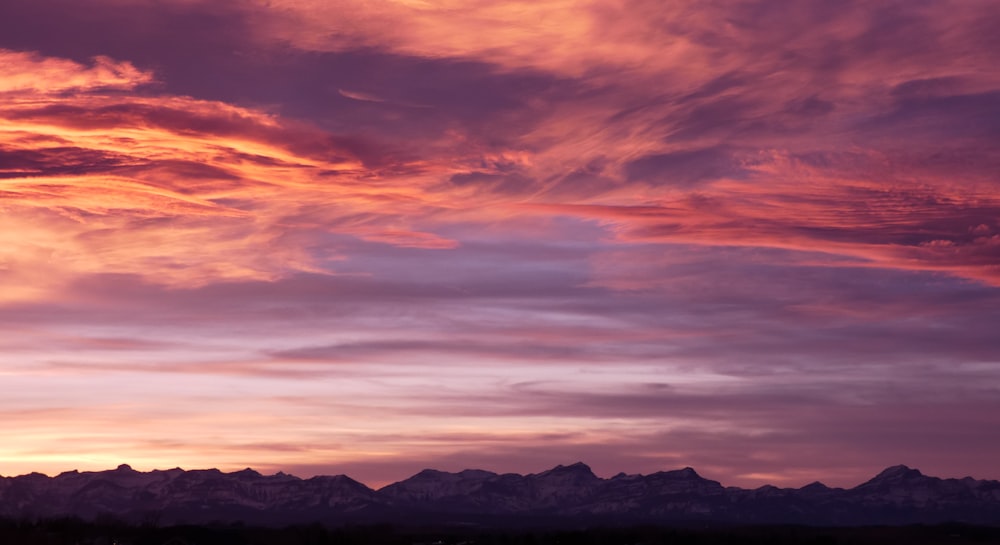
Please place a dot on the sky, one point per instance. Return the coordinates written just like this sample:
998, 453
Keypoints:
760, 238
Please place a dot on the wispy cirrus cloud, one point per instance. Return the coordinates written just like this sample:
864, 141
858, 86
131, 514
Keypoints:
175, 189
760, 130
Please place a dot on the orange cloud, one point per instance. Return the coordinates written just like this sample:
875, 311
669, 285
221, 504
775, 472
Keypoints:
176, 190
880, 220
30, 72
663, 91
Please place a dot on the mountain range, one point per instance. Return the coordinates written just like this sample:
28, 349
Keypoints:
563, 495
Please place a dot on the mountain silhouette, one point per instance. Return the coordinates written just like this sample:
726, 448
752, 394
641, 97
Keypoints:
570, 494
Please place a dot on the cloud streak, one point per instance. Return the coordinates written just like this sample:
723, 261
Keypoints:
157, 185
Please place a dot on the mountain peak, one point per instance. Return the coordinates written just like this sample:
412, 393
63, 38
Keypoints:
687, 473
898, 472
476, 473
125, 468
894, 475
429, 474
578, 468
578, 473
815, 486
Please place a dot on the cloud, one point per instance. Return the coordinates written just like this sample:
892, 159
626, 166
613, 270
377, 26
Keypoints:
364, 97
178, 190
684, 168
26, 72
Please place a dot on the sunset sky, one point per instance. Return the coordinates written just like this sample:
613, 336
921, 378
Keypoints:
760, 238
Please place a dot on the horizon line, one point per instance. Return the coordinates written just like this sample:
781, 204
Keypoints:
279, 473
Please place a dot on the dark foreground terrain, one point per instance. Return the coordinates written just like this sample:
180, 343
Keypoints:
108, 532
